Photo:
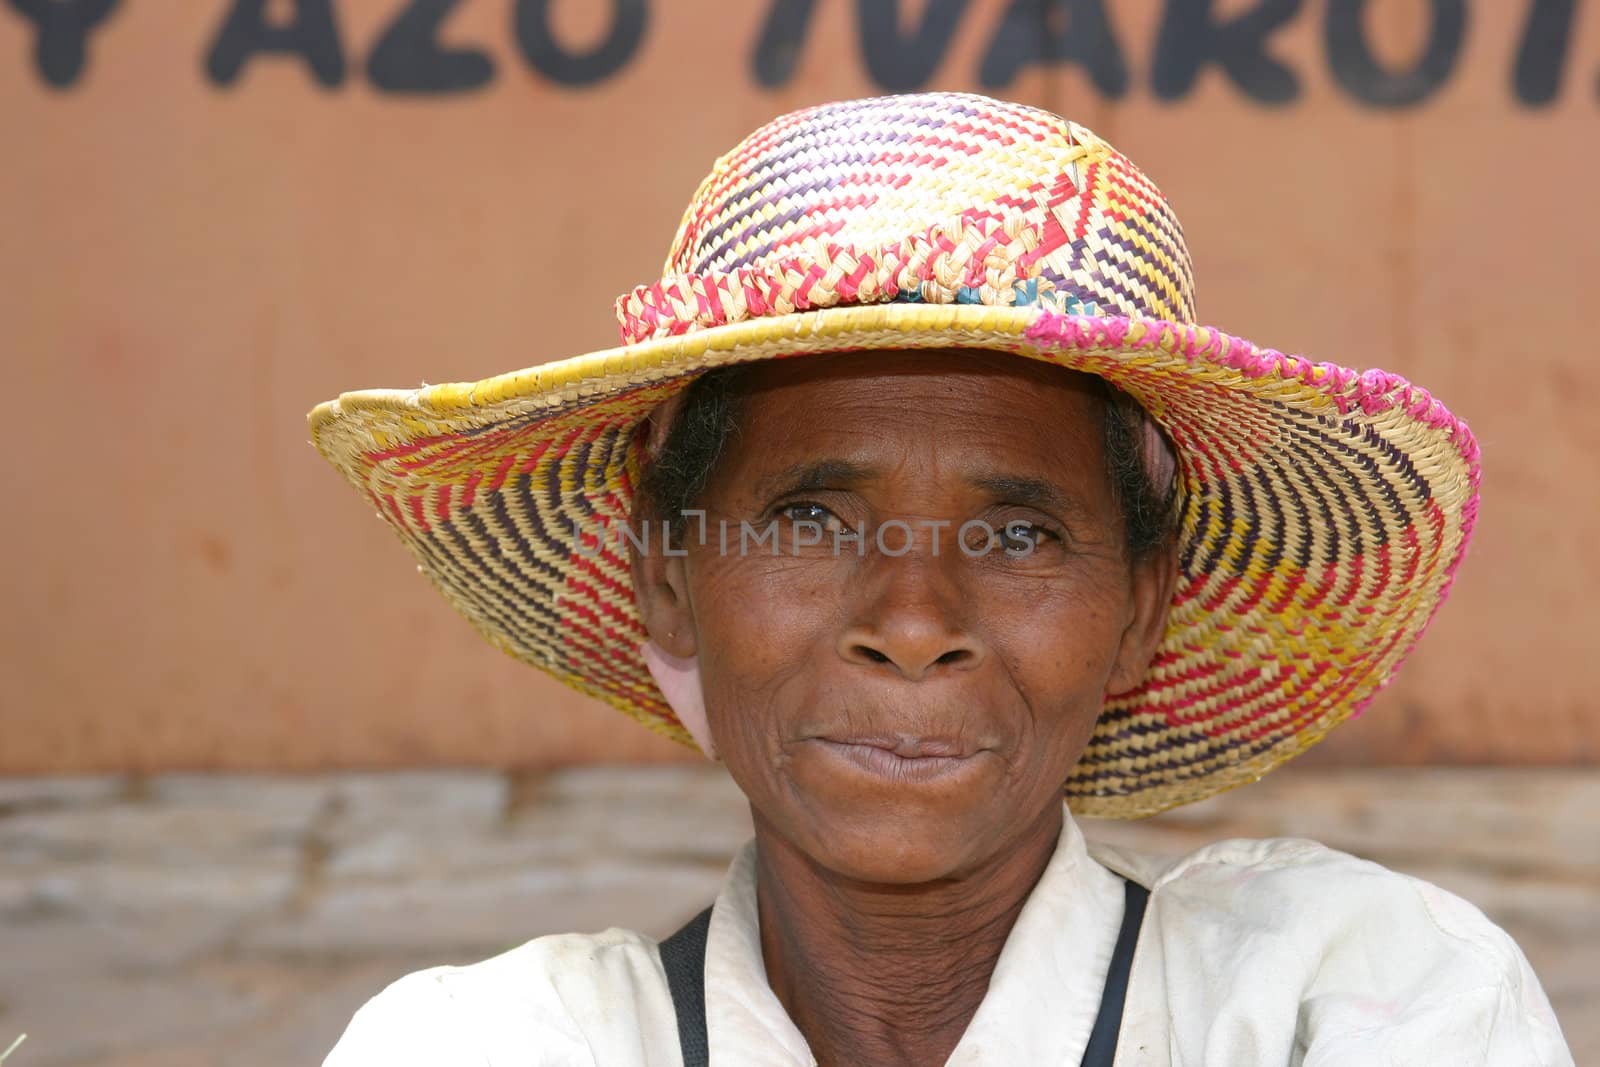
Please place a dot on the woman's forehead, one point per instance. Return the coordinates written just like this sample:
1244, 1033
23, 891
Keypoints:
991, 414
947, 383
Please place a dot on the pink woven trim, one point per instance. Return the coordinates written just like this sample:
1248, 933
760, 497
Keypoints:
970, 259
1373, 391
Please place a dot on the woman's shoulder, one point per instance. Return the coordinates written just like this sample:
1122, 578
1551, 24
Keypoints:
1302, 888
1366, 959
552, 994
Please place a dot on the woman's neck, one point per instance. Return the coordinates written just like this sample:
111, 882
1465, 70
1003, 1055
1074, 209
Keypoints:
888, 974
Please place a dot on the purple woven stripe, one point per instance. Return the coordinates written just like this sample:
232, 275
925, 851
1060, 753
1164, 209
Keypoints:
1072, 287
1110, 291
1123, 251
1083, 279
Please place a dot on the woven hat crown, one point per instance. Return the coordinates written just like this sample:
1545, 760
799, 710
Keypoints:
935, 198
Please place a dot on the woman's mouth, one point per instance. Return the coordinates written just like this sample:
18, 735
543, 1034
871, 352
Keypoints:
902, 757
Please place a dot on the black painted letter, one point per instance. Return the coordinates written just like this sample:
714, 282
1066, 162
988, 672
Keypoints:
896, 62
1191, 37
1056, 31
1543, 55
408, 59
778, 47
1355, 68
62, 32
547, 56
312, 35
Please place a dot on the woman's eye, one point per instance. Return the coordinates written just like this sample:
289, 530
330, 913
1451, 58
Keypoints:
1020, 538
808, 511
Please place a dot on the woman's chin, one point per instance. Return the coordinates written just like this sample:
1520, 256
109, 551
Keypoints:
903, 840
897, 857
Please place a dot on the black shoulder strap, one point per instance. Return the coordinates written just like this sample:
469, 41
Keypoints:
684, 957
1102, 1047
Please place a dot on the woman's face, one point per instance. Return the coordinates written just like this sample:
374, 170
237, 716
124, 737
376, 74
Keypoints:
904, 706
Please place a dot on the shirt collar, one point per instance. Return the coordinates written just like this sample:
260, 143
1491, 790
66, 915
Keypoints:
1042, 999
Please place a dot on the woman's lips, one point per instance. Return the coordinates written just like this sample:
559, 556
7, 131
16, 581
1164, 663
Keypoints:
901, 757
908, 746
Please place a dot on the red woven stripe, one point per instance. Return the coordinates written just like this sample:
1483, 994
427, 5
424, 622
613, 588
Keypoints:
587, 566
418, 517
498, 478
469, 492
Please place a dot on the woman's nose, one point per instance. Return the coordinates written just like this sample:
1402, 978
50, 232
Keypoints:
912, 619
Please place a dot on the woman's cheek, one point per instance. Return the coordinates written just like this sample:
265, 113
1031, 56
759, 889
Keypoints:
768, 608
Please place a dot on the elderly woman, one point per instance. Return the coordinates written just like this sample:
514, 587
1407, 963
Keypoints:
1013, 524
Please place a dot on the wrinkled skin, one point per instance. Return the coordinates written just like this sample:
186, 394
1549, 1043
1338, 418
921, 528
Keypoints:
902, 721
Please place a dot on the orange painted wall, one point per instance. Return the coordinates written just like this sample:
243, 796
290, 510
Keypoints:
185, 268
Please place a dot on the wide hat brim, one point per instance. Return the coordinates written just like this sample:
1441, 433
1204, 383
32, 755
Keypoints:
1323, 515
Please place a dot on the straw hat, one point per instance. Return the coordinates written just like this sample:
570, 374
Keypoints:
1323, 510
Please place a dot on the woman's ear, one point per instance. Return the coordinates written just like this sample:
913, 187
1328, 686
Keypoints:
1154, 579
660, 587
661, 591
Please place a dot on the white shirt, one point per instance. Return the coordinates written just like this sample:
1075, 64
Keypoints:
1252, 952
